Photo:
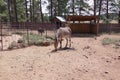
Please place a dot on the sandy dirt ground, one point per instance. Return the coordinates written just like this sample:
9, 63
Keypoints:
87, 59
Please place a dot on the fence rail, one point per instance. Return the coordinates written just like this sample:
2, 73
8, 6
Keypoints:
32, 25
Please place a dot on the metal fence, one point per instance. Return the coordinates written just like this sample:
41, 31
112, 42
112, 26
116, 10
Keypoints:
6, 29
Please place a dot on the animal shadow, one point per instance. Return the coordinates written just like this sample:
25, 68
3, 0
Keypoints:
62, 49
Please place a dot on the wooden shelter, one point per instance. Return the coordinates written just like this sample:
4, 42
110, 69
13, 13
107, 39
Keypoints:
59, 21
83, 24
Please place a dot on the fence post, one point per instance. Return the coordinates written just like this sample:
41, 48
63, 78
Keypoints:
110, 28
1, 36
27, 33
46, 34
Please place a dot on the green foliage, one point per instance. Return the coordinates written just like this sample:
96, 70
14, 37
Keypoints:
107, 41
21, 10
3, 11
12, 45
105, 19
59, 7
15, 45
36, 39
18, 33
46, 18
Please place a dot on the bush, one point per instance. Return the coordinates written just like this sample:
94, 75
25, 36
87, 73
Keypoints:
34, 39
38, 43
18, 33
38, 40
13, 45
107, 41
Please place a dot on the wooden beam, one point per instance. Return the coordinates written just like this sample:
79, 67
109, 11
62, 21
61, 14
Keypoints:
81, 18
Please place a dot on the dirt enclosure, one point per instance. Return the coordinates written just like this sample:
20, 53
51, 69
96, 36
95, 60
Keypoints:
87, 59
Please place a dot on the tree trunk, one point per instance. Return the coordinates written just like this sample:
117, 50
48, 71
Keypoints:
79, 10
119, 13
94, 7
26, 10
100, 10
42, 20
9, 11
15, 10
51, 9
33, 11
107, 11
119, 17
58, 10
30, 10
55, 11
107, 16
73, 7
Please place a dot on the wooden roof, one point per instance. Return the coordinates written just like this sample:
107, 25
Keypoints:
59, 19
81, 18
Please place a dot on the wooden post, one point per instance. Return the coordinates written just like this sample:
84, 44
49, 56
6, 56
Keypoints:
1, 37
46, 34
97, 25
